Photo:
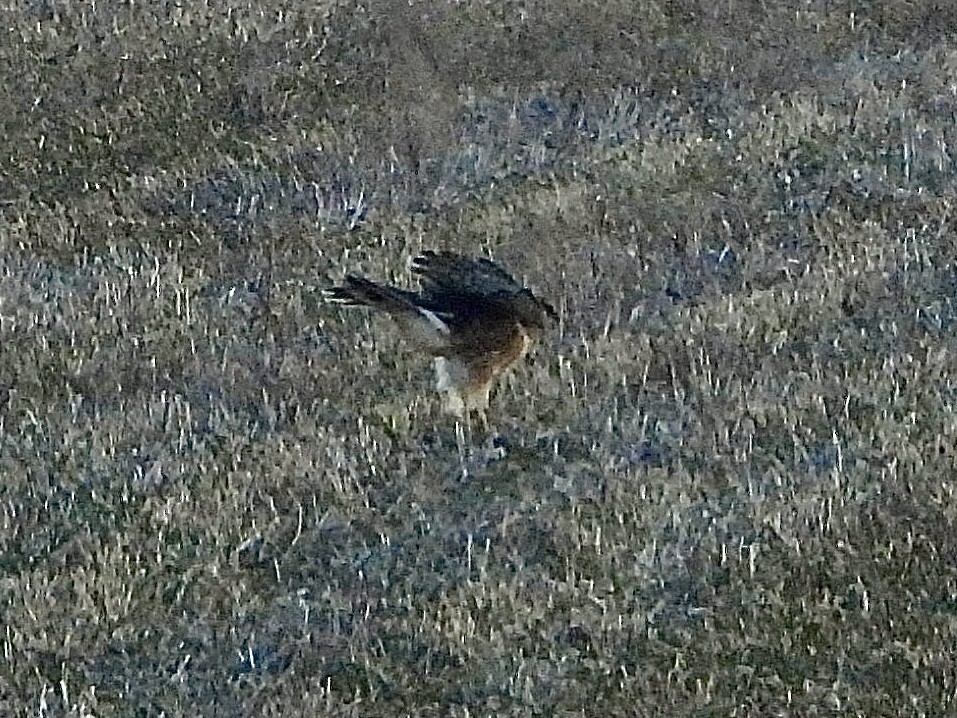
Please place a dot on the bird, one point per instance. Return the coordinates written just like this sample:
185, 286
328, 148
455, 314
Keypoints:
469, 315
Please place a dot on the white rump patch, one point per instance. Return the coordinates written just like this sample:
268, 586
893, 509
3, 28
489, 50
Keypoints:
434, 320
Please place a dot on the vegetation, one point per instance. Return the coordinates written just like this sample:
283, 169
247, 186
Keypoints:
725, 485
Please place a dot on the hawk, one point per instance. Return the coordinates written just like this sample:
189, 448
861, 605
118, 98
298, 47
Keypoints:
470, 315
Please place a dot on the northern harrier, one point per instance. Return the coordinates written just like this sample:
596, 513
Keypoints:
470, 315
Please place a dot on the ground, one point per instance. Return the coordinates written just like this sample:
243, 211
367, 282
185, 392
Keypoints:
722, 486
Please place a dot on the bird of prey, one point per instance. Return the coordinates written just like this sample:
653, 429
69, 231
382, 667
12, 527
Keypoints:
470, 315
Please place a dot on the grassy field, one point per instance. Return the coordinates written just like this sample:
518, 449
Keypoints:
726, 483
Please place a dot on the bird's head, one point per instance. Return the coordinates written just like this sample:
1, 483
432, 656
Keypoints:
533, 312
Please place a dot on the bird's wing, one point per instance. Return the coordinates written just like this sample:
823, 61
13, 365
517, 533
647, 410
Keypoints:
445, 274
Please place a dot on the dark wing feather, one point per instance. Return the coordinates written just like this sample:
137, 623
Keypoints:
445, 274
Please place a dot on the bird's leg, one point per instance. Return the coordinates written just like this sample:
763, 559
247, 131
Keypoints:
488, 444
483, 421
475, 443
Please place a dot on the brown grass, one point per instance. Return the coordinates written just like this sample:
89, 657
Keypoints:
725, 486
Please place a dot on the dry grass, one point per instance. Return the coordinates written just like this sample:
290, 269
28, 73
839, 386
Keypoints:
727, 483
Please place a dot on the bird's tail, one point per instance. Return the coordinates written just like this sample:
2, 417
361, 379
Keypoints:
361, 292
424, 327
